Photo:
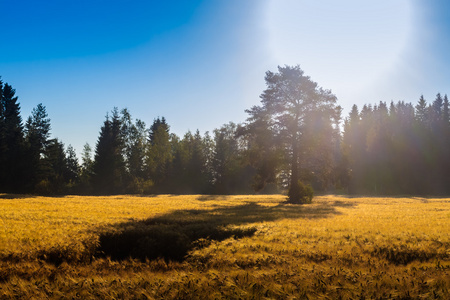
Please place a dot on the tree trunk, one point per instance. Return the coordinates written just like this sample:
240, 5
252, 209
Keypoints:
294, 164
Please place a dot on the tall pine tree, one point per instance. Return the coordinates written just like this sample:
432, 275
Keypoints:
37, 133
12, 175
109, 166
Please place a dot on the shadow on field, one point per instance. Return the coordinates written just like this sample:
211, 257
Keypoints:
211, 197
173, 235
15, 196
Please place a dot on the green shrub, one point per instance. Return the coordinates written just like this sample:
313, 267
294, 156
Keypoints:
140, 186
44, 187
300, 193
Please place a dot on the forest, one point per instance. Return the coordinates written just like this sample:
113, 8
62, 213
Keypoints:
295, 140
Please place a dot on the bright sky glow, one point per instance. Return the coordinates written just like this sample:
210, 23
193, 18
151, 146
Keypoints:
201, 63
346, 46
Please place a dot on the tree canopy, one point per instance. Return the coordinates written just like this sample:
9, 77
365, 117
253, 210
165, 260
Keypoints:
300, 113
290, 143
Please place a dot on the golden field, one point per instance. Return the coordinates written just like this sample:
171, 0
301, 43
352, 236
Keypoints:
224, 247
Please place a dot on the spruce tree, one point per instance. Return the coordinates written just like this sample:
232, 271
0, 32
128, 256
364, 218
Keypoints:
2, 137
421, 110
13, 165
446, 113
263, 151
73, 168
37, 133
135, 143
446, 145
437, 108
86, 170
55, 169
229, 176
159, 154
109, 166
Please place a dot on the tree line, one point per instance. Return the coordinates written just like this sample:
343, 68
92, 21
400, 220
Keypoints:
406, 148
295, 140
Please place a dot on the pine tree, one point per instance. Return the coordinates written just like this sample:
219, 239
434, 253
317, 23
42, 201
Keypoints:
86, 170
195, 166
446, 145
437, 108
2, 137
159, 154
446, 113
73, 167
13, 146
109, 166
37, 133
263, 151
135, 142
56, 168
289, 98
157, 123
230, 175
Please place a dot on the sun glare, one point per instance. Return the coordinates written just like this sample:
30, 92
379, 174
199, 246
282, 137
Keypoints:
346, 45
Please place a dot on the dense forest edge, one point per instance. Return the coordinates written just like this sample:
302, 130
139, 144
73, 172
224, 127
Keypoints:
295, 141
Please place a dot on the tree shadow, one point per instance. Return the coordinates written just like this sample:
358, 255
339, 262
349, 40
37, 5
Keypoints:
15, 196
173, 235
211, 197
343, 204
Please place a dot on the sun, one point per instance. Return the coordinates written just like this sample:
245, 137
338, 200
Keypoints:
344, 45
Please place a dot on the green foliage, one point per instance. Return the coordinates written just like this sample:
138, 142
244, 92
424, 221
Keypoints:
44, 187
263, 151
293, 135
300, 193
230, 173
304, 119
140, 186
387, 151
159, 154
12, 143
73, 168
86, 171
109, 166
135, 144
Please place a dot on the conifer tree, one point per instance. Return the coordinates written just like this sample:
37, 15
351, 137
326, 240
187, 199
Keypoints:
159, 154
13, 146
196, 165
86, 170
437, 107
230, 174
289, 98
109, 166
2, 137
263, 151
446, 113
55, 169
189, 164
37, 133
421, 110
135, 142
73, 167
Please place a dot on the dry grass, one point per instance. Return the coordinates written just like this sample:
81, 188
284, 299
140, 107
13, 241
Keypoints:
234, 247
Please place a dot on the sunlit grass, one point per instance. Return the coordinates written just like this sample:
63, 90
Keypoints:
336, 247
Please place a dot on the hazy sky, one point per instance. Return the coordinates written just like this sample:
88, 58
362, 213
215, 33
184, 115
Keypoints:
200, 64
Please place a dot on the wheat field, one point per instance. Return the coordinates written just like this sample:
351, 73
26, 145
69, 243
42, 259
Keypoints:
224, 247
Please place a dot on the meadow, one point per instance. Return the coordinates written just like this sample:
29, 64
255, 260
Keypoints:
224, 247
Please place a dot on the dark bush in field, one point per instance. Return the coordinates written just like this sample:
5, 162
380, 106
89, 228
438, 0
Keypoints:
300, 193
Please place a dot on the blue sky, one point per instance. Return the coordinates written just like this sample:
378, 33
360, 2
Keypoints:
200, 64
